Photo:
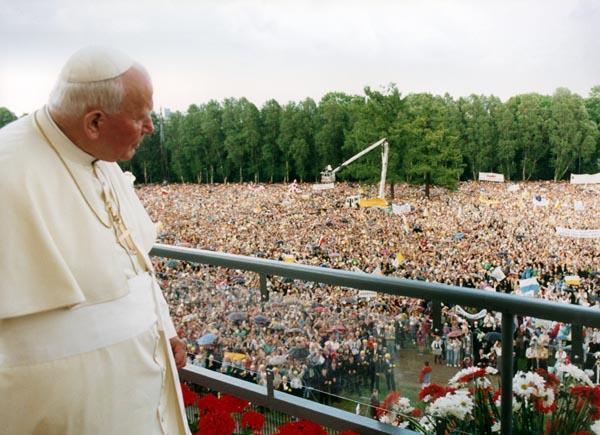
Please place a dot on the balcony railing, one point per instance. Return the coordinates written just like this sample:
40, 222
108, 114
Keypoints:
508, 305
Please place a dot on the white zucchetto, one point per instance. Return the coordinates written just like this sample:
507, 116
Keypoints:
94, 64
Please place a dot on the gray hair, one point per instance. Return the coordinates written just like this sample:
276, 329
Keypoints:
73, 99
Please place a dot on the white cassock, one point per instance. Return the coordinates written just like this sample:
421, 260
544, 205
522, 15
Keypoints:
84, 326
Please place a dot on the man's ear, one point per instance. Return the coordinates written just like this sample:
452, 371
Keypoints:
92, 122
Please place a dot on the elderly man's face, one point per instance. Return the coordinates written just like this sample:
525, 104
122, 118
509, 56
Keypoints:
124, 131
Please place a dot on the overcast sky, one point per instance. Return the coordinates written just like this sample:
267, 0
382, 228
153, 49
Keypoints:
288, 50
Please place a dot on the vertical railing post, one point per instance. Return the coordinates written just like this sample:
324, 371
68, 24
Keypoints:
577, 344
264, 292
270, 377
436, 316
507, 372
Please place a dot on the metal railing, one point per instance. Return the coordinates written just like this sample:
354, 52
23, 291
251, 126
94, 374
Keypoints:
508, 305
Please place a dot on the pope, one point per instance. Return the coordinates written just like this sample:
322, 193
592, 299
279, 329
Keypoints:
87, 345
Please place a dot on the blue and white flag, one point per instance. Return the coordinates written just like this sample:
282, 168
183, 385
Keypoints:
529, 285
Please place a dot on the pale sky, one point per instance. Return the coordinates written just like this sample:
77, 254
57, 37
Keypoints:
289, 50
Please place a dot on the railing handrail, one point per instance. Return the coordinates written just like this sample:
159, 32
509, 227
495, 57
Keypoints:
501, 302
508, 305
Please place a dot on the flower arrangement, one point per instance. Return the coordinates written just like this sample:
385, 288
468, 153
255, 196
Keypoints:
228, 415
565, 403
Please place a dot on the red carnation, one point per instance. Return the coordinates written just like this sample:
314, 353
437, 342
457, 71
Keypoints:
435, 391
390, 399
189, 397
216, 422
207, 403
470, 376
253, 420
232, 404
302, 427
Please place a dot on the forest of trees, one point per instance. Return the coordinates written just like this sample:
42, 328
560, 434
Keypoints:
433, 139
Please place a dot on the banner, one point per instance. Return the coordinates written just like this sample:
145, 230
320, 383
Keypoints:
572, 280
578, 205
513, 187
578, 234
318, 187
585, 178
366, 294
498, 274
397, 261
491, 176
401, 209
529, 285
372, 202
460, 312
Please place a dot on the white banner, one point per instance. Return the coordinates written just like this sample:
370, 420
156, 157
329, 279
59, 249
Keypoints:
491, 176
513, 187
578, 234
578, 205
323, 186
366, 294
462, 313
498, 274
585, 178
401, 209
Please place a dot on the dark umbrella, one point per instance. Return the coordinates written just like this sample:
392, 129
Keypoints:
236, 316
206, 339
298, 353
493, 336
260, 319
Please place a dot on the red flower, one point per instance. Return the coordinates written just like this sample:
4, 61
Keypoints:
434, 391
253, 420
416, 412
470, 376
189, 397
539, 406
390, 399
232, 404
348, 432
496, 395
207, 403
216, 422
552, 381
302, 427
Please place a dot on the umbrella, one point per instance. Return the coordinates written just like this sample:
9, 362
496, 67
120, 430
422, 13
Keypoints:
293, 330
455, 333
236, 316
239, 280
338, 328
278, 360
260, 319
298, 353
172, 264
277, 327
493, 336
206, 339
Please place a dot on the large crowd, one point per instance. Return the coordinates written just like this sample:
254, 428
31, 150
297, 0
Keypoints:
321, 339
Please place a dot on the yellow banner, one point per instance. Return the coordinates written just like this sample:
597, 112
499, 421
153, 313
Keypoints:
372, 202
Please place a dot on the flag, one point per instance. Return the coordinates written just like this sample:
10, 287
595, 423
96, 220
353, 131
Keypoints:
397, 261
529, 285
401, 209
288, 259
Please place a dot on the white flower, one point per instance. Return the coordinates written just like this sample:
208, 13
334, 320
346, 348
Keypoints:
528, 384
496, 427
458, 404
402, 406
573, 372
596, 427
491, 370
427, 424
387, 418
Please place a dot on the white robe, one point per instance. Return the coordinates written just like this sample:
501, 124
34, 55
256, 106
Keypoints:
84, 327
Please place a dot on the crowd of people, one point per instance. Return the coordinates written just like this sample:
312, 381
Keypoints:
321, 339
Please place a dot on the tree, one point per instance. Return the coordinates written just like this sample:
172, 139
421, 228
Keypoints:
571, 133
432, 155
6, 116
333, 122
270, 116
531, 119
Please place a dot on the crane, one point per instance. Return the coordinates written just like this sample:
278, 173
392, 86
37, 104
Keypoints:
328, 175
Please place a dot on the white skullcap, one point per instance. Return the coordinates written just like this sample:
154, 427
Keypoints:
94, 64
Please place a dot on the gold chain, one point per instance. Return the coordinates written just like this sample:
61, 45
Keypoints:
107, 225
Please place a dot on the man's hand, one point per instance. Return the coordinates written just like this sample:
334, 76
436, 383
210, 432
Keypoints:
179, 351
